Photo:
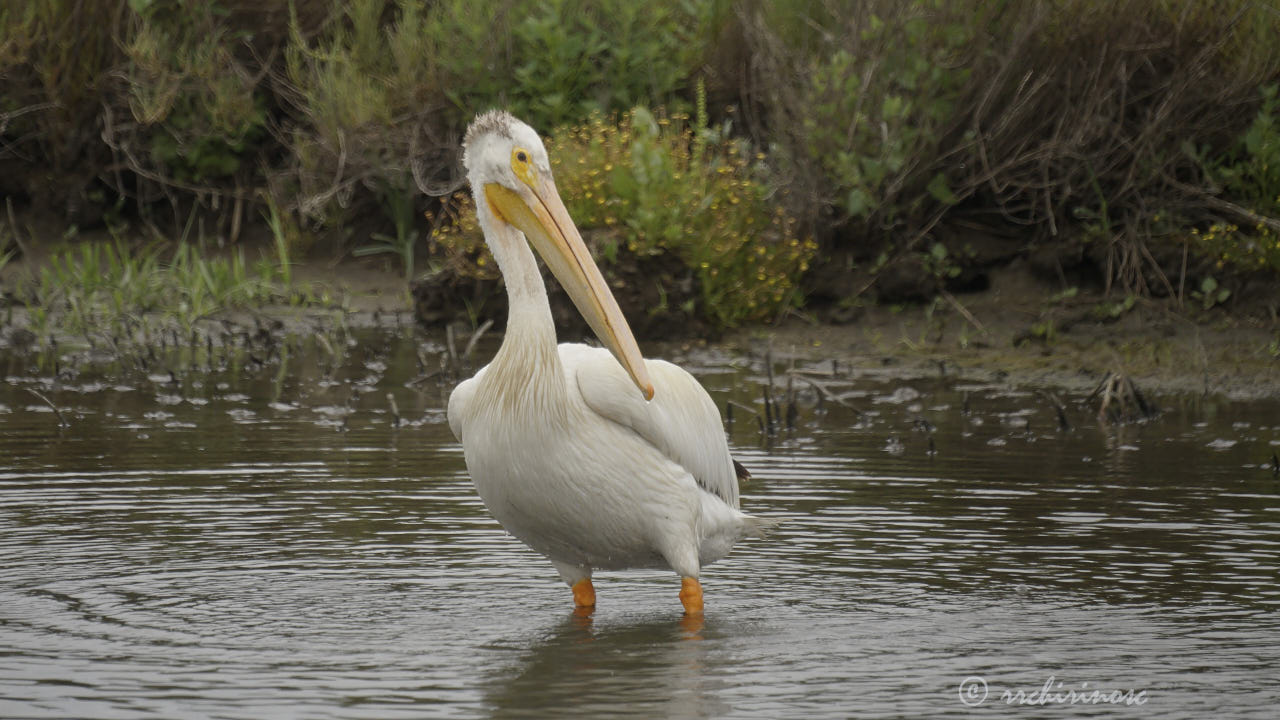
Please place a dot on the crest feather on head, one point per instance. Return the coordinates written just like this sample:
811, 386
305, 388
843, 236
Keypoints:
493, 121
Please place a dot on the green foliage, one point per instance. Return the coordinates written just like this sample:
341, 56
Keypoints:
1210, 294
558, 61
562, 59
1044, 330
908, 118
1250, 174
878, 107
568, 60
1113, 310
186, 85
939, 264
1255, 178
1065, 295
56, 56
7, 239
344, 77
887, 122
283, 238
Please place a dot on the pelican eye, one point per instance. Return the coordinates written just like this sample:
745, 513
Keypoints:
521, 166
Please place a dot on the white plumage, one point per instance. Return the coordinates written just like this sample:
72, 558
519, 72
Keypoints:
561, 442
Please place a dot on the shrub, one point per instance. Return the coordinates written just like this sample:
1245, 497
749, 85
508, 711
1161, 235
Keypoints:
194, 102
376, 94
1034, 120
1250, 174
879, 111
56, 62
862, 114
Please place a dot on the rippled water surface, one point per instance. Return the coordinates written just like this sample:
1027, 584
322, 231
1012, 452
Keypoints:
263, 542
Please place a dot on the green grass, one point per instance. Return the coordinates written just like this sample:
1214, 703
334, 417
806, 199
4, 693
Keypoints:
398, 200
111, 296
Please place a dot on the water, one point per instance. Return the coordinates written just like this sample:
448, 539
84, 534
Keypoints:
264, 543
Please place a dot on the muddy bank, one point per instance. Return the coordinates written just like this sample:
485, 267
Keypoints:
1021, 331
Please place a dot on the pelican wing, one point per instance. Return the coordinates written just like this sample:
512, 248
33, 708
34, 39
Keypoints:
681, 421
460, 402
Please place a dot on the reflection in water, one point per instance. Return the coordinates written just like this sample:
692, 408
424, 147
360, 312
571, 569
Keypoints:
650, 668
252, 544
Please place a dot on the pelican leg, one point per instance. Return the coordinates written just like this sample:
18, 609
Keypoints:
578, 577
682, 556
691, 595
584, 594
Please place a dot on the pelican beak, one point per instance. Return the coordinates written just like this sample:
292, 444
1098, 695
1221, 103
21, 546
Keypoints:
540, 214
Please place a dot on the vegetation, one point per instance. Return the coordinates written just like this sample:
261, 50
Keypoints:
1109, 125
1249, 171
744, 138
121, 299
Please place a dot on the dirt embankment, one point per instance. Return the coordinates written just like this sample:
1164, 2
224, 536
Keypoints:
1032, 334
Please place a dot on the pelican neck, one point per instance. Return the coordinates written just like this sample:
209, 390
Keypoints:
527, 369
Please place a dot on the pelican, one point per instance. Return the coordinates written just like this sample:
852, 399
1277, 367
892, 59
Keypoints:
593, 457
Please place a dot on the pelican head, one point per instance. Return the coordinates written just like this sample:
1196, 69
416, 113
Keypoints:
510, 177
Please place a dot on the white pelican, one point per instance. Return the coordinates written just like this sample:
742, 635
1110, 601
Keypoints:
595, 458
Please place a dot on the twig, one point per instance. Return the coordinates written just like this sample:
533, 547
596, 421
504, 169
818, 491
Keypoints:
792, 412
962, 310
1182, 276
453, 350
815, 372
1121, 390
825, 392
62, 421
770, 415
1063, 423
237, 212
7, 116
1098, 389
13, 223
1227, 206
759, 419
395, 411
475, 338
424, 377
